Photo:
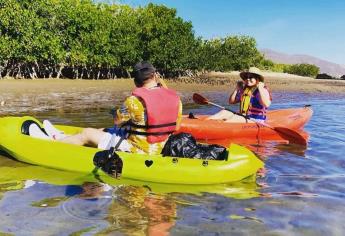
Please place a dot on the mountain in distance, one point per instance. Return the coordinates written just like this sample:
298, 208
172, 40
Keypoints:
327, 67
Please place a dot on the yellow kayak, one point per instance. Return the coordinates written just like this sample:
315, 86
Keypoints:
240, 163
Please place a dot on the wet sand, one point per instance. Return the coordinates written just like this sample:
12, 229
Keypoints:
18, 96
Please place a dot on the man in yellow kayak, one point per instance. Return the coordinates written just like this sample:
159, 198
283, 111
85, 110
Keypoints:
150, 115
253, 96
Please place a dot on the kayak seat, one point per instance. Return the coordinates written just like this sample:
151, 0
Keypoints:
191, 116
26, 124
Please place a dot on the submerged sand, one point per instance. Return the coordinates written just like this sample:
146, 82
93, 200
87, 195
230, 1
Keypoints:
18, 96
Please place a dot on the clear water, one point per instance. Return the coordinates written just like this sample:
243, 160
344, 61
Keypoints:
303, 192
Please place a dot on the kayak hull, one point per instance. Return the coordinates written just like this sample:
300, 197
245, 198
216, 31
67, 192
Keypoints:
241, 162
15, 176
202, 129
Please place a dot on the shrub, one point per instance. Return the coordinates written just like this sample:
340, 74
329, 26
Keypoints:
303, 70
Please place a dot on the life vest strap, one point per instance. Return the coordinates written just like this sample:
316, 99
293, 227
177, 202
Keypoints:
149, 133
151, 126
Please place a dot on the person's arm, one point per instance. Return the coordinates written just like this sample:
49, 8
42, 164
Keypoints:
118, 120
122, 114
265, 99
179, 116
234, 95
132, 109
160, 81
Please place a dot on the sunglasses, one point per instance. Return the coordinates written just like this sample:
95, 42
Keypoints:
250, 78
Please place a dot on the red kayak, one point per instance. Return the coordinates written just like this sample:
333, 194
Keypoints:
292, 119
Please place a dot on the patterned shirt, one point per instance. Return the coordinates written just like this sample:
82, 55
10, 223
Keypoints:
134, 110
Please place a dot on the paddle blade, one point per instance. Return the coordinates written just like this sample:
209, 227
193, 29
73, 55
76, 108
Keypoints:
199, 99
292, 135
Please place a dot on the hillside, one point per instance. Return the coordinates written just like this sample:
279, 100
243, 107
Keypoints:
325, 66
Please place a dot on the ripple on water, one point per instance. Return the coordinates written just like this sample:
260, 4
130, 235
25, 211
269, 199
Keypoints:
87, 209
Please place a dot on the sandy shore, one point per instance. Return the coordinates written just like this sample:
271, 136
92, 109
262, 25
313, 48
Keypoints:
278, 82
38, 95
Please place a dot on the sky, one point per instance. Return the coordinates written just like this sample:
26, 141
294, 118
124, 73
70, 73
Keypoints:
311, 27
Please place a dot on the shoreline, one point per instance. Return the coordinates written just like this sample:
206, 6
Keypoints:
214, 81
19, 96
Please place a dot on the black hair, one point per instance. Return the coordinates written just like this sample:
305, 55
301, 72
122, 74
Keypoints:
142, 71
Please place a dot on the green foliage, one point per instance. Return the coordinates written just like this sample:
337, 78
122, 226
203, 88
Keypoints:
279, 67
303, 70
39, 38
267, 64
230, 53
165, 39
123, 36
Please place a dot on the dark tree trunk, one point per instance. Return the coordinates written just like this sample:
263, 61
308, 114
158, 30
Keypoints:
59, 70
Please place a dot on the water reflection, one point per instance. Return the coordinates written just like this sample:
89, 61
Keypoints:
126, 206
13, 171
89, 201
137, 211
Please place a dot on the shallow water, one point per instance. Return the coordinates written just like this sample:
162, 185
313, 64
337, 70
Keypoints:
301, 194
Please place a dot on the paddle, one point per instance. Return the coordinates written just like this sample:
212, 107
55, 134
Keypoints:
291, 135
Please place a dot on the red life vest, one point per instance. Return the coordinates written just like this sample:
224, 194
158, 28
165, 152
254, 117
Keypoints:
162, 107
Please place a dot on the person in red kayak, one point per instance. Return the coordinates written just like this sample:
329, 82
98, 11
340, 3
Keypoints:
150, 114
253, 96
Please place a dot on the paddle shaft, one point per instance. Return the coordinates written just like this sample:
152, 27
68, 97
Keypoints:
236, 113
216, 105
